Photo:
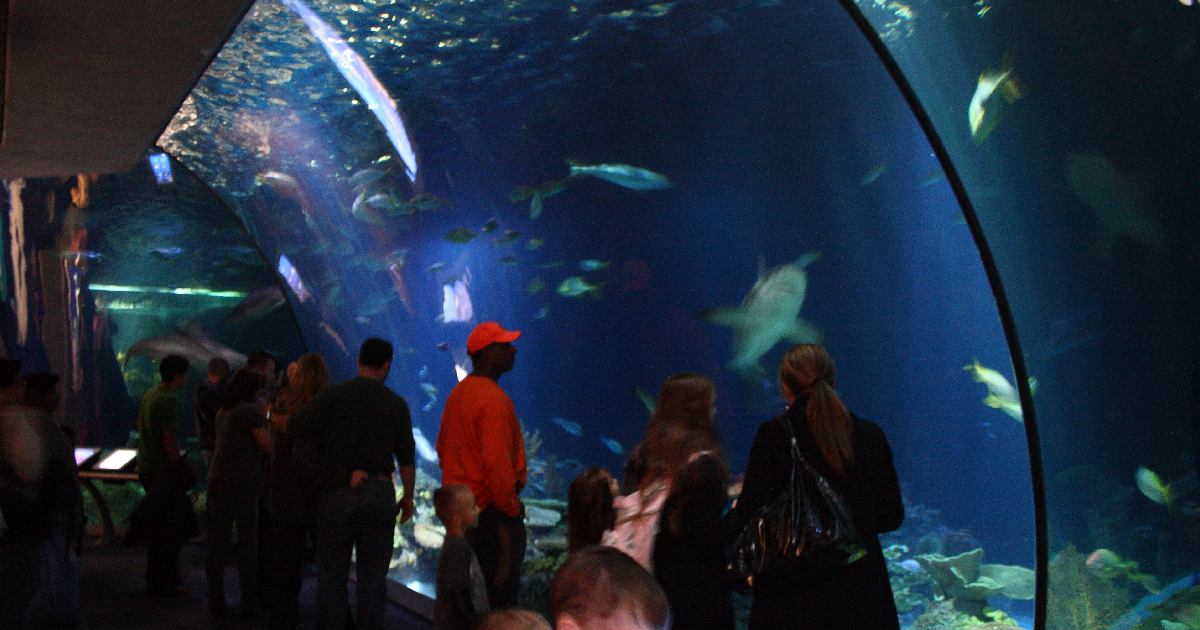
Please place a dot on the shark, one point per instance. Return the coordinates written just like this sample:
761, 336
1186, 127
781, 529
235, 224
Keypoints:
769, 313
189, 342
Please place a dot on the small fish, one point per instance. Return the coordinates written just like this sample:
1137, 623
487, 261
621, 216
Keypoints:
535, 205
444, 346
167, 251
508, 237
910, 565
569, 426
592, 264
542, 312
423, 373
1153, 488
437, 266
366, 177
335, 337
430, 390
623, 175
534, 243
984, 110
576, 286
933, 176
490, 226
1001, 394
646, 398
84, 254
872, 174
509, 261
424, 448
552, 265
535, 286
612, 445
460, 235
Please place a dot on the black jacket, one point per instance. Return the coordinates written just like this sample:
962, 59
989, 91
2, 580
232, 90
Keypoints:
856, 596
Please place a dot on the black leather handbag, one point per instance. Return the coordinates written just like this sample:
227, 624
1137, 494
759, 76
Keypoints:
807, 528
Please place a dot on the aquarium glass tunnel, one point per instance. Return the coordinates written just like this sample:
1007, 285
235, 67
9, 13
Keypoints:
986, 210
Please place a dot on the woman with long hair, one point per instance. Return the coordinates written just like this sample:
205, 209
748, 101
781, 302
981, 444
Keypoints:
854, 456
289, 499
235, 483
682, 452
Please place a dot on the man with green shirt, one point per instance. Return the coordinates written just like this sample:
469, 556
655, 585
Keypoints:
350, 439
162, 471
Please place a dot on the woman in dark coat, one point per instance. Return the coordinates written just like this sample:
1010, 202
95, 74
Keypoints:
853, 455
682, 448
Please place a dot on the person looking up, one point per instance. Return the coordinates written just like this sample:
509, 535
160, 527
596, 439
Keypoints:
290, 500
480, 445
461, 592
853, 455
601, 588
163, 472
208, 400
349, 440
235, 482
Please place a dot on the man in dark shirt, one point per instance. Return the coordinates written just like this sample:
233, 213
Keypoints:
208, 401
349, 441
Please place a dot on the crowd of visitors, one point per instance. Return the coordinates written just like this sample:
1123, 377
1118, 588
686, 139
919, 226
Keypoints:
302, 460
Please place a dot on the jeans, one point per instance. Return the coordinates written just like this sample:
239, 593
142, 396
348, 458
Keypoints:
362, 518
498, 540
162, 552
223, 511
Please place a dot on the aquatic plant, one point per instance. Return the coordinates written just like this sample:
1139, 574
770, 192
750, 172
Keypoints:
1078, 600
1181, 611
969, 582
942, 615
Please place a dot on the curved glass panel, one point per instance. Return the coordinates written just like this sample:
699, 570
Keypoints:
1083, 186
615, 183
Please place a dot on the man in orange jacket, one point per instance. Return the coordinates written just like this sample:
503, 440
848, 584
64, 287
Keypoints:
480, 445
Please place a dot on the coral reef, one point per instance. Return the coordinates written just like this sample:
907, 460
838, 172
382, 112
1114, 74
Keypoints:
942, 615
1181, 611
970, 583
1078, 600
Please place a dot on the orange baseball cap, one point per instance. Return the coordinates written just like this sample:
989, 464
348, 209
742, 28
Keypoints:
488, 333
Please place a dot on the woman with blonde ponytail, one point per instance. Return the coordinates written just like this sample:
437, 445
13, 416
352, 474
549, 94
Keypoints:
854, 456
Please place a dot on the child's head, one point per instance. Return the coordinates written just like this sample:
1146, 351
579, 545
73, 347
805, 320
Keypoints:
590, 507
455, 506
513, 619
601, 588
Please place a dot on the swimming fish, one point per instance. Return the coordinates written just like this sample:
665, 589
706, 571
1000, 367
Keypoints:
592, 264
1001, 394
570, 426
508, 237
872, 174
535, 286
984, 110
623, 175
1106, 564
542, 312
490, 226
509, 261
534, 243
769, 313
576, 286
365, 177
430, 390
258, 303
424, 448
1153, 488
612, 445
646, 398
460, 235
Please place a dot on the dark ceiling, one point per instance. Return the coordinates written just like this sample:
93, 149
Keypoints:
91, 83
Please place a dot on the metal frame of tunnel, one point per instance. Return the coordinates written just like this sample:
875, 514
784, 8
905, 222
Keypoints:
1002, 305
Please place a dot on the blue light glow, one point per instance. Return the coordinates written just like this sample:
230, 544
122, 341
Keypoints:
161, 165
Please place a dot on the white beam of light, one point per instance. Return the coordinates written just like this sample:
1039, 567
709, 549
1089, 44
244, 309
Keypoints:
126, 288
355, 69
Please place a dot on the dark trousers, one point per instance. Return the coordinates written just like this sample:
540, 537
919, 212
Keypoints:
499, 544
286, 565
162, 553
362, 519
224, 510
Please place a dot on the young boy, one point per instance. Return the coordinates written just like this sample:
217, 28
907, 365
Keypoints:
601, 588
461, 592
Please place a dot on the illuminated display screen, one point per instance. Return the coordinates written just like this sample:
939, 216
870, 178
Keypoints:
83, 454
117, 459
292, 277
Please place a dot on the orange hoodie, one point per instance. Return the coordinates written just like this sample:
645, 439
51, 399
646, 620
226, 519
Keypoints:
480, 444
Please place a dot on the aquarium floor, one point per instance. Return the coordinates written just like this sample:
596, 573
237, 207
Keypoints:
111, 585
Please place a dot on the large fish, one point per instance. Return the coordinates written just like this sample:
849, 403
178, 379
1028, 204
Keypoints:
258, 303
769, 314
190, 343
1001, 394
623, 175
983, 112
359, 75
